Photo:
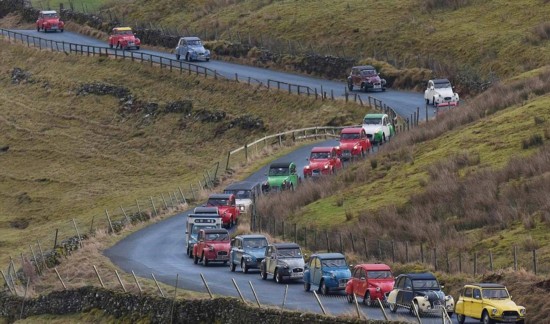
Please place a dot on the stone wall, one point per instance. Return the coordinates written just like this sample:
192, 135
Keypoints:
156, 309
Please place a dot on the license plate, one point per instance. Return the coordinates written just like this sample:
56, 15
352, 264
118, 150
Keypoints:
377, 86
54, 27
296, 274
223, 257
342, 284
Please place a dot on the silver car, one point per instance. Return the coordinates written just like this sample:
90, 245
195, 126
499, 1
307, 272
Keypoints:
284, 261
191, 49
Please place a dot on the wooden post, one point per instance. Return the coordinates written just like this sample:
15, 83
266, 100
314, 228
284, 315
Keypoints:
238, 290
421, 253
120, 281
459, 262
181, 192
379, 250
352, 242
356, 305
59, 277
164, 200
7, 282
535, 261
366, 248
283, 225
99, 277
383, 310
426, 113
153, 204
42, 254
418, 115
490, 260
175, 295
254, 293
227, 163
435, 259
35, 260
192, 192
109, 219
392, 251
139, 286
139, 209
341, 245
55, 239
515, 258
77, 233
295, 233
305, 236
328, 244
475, 263
319, 302
407, 252
284, 298
125, 215
158, 286
447, 262
246, 153
206, 285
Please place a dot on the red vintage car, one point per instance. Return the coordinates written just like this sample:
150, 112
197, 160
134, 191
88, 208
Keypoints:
322, 160
353, 143
370, 282
123, 38
48, 20
227, 208
212, 245
366, 78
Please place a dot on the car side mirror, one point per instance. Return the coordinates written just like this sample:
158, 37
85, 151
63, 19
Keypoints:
408, 287
442, 286
363, 278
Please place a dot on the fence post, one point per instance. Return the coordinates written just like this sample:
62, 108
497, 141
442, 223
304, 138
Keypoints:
109, 219
283, 225
295, 233
164, 200
475, 263
227, 163
153, 204
246, 153
305, 236
99, 277
447, 262
139, 209
407, 252
366, 248
515, 258
379, 250
254, 293
435, 259
341, 245
535, 261
328, 243
459, 262
181, 193
319, 302
352, 242
206, 285
77, 233
418, 115
426, 113
59, 277
158, 286
421, 253
392, 251
490, 260
120, 281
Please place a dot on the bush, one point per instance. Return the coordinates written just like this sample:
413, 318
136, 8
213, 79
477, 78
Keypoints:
534, 140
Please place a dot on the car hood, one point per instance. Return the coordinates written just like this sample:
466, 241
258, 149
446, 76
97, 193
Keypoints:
445, 92
501, 304
293, 262
244, 202
317, 164
128, 38
347, 144
256, 253
52, 20
219, 245
385, 285
198, 48
432, 294
277, 181
339, 273
372, 129
223, 209
372, 79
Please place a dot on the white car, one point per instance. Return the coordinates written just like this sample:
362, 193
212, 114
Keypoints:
378, 127
191, 49
440, 93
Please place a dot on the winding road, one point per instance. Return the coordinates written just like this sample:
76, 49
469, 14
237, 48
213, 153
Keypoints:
159, 248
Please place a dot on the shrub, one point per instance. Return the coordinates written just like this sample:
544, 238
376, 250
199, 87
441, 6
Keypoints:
373, 163
538, 120
534, 140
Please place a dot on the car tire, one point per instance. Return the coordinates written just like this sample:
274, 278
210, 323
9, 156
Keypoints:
195, 259
204, 260
277, 277
177, 57
244, 267
349, 298
393, 307
307, 286
323, 289
207, 60
62, 30
350, 86
366, 300
263, 274
383, 89
433, 102
460, 318
485, 319
38, 28
232, 266
187, 57
427, 101
384, 137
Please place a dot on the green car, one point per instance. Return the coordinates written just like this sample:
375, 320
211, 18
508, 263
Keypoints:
378, 127
281, 176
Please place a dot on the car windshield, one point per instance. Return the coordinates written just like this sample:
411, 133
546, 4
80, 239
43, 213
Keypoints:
425, 284
217, 237
194, 42
195, 230
50, 15
124, 32
334, 263
290, 253
368, 72
319, 155
372, 121
440, 85
495, 293
255, 243
278, 171
379, 274
348, 136
217, 202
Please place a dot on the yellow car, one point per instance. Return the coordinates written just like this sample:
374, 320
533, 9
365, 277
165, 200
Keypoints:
489, 303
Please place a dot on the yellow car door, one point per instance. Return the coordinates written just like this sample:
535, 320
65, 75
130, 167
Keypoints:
467, 300
477, 304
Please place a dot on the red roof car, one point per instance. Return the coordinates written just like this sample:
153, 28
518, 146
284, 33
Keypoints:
212, 245
227, 208
353, 143
48, 20
322, 160
123, 38
370, 282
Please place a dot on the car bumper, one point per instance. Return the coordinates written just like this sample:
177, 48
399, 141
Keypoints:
292, 273
217, 256
445, 103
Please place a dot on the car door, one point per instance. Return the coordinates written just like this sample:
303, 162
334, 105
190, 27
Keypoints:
399, 285
293, 175
430, 91
238, 250
267, 259
272, 260
467, 298
385, 127
316, 271
477, 304
362, 282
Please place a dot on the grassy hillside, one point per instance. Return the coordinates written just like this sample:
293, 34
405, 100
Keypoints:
67, 153
469, 39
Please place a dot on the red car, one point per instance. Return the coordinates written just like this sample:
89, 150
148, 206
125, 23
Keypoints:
212, 245
323, 160
371, 282
123, 38
227, 208
353, 143
48, 20
365, 77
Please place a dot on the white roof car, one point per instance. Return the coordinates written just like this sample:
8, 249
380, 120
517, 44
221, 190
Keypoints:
440, 93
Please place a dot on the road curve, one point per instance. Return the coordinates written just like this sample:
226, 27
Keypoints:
405, 103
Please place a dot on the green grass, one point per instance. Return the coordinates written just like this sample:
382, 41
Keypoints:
91, 6
73, 156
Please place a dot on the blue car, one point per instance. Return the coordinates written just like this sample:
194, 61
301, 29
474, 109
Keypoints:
248, 251
327, 271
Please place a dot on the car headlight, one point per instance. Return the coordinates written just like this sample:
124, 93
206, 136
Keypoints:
426, 298
377, 288
522, 311
494, 311
307, 166
355, 147
210, 248
326, 166
241, 208
337, 147
447, 297
332, 275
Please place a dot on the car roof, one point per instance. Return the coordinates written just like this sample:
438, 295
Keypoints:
123, 28
220, 196
286, 245
251, 236
244, 185
322, 149
364, 67
215, 231
419, 276
441, 81
191, 38
374, 115
374, 266
487, 285
280, 164
324, 256
48, 11
206, 210
351, 130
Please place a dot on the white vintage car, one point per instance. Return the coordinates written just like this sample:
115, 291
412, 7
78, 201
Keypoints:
440, 93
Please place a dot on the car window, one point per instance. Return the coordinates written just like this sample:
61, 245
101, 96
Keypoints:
408, 284
495, 293
346, 136
278, 171
379, 274
425, 284
217, 202
357, 273
319, 155
468, 292
268, 251
441, 85
400, 283
477, 294
334, 263
372, 121
292, 169
290, 253
217, 237
254, 243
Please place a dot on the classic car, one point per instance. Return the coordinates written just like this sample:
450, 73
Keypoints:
378, 127
196, 222
123, 38
365, 78
248, 251
322, 161
281, 176
48, 20
440, 93
488, 302
212, 246
353, 143
371, 282
191, 49
420, 293
246, 193
227, 208
283, 261
326, 271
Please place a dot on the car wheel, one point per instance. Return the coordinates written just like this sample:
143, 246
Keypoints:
460, 318
244, 267
187, 57
278, 277
323, 289
207, 60
232, 266
137, 47
61, 30
350, 298
110, 45
263, 274
393, 307
433, 101
177, 57
383, 89
205, 260
366, 300
427, 101
384, 137
307, 286
38, 28
195, 259
363, 154
291, 187
350, 86
485, 319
